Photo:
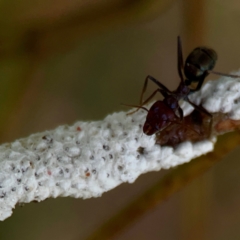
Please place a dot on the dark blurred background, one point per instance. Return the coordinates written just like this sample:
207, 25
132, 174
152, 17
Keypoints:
68, 60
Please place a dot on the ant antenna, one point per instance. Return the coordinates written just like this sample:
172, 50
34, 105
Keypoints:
223, 74
135, 106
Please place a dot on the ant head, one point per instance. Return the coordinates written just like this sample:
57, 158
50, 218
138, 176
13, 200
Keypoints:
159, 116
198, 62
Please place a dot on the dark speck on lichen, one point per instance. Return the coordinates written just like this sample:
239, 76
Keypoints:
141, 150
2, 195
106, 147
120, 168
47, 138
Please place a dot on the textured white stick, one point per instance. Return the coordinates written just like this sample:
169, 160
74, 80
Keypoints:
90, 158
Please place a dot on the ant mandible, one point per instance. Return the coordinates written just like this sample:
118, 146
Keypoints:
198, 65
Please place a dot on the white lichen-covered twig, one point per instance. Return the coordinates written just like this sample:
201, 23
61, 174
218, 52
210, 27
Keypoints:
90, 158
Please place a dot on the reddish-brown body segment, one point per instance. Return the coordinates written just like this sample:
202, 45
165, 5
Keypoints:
159, 116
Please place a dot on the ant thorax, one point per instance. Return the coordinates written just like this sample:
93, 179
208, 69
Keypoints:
182, 90
171, 101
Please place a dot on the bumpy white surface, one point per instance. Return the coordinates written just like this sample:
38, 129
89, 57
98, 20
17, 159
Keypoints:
222, 95
90, 158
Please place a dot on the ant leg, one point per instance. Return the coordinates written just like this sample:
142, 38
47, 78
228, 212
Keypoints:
144, 102
161, 86
198, 107
151, 96
200, 83
223, 74
180, 59
180, 111
136, 106
201, 109
163, 92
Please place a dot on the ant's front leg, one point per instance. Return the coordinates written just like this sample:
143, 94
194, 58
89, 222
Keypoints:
144, 102
160, 85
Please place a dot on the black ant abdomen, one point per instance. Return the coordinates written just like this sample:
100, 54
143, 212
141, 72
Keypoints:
198, 64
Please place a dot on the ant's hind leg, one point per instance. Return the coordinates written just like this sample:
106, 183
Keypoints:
180, 59
223, 74
201, 109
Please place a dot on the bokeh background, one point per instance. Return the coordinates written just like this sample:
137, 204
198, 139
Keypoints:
68, 60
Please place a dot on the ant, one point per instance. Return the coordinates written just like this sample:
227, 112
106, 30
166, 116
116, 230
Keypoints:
198, 65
